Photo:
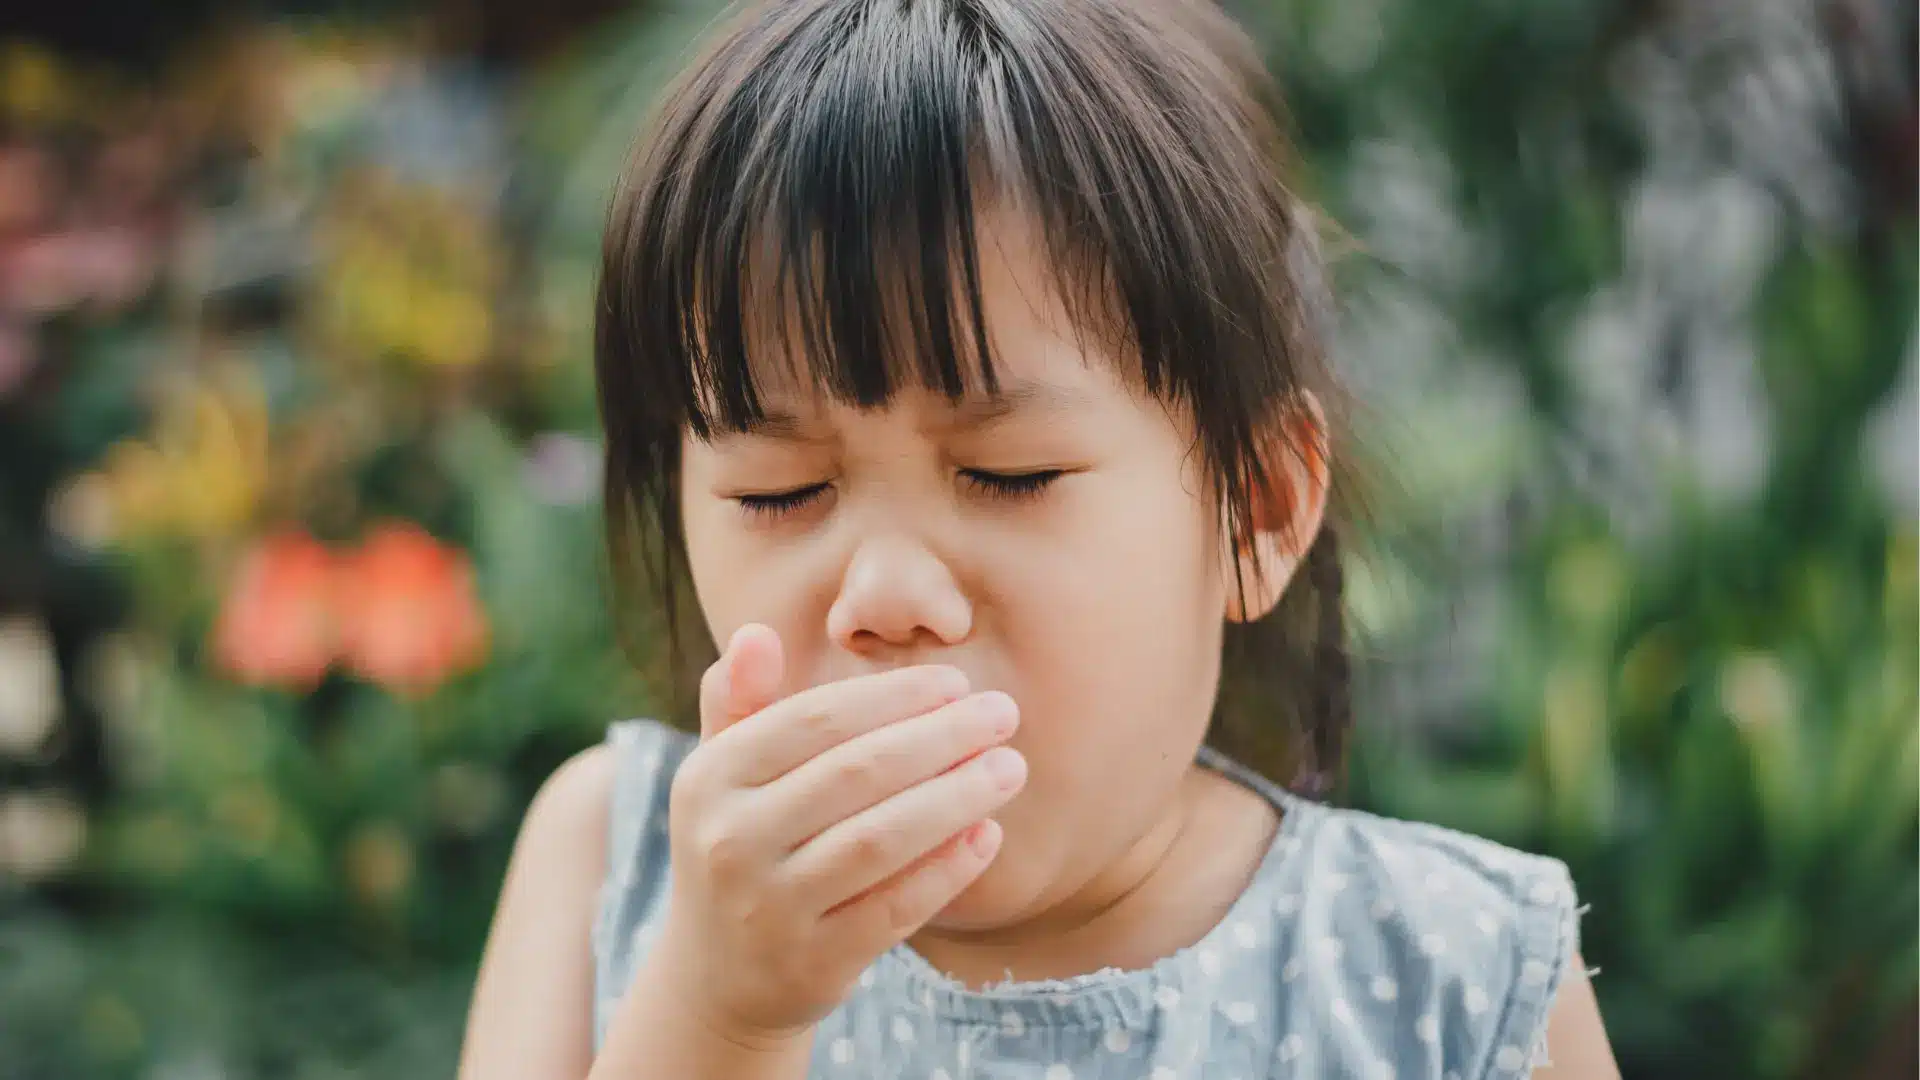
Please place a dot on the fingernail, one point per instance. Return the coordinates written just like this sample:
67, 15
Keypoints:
734, 641
1005, 765
984, 837
996, 706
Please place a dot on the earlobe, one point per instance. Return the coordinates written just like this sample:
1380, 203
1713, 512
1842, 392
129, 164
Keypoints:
1265, 567
1287, 518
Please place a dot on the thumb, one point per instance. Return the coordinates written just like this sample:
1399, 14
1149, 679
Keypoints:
743, 681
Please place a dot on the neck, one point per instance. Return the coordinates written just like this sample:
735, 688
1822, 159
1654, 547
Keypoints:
1162, 894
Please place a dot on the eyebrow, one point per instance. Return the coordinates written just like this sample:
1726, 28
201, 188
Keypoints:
969, 414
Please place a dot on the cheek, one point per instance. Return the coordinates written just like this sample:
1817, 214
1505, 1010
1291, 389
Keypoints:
1125, 571
1115, 628
737, 576
712, 559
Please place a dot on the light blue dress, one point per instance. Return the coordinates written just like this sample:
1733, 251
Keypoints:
1364, 949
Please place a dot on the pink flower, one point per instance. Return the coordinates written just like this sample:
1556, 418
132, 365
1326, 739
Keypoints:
409, 615
276, 626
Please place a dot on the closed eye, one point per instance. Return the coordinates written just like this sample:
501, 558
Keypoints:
777, 503
1010, 486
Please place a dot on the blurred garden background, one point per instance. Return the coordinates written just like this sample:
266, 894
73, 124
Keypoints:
301, 594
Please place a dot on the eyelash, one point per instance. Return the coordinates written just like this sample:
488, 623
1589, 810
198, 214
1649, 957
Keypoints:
1009, 487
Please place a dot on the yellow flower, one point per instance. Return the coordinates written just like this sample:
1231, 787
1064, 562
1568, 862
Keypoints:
408, 273
202, 472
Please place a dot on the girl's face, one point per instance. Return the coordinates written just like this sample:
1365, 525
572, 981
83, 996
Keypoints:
1056, 542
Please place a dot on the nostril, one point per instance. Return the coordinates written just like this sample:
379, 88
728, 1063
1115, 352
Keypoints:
896, 594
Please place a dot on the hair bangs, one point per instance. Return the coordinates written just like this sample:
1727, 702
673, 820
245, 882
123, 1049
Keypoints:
813, 215
816, 225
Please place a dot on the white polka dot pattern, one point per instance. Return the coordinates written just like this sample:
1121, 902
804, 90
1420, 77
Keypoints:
1365, 948
1427, 1029
1209, 962
1476, 1001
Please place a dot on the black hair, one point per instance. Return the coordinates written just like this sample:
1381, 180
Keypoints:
826, 163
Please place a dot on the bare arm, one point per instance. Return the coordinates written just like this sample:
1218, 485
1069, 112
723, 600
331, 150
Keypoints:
1576, 1038
532, 1011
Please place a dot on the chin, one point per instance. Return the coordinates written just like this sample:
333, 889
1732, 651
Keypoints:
996, 898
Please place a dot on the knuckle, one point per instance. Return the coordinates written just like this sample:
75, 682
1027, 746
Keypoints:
690, 785
889, 762
823, 722
726, 852
857, 772
853, 773
869, 848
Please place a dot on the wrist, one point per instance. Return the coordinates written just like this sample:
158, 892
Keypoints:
661, 1032
673, 979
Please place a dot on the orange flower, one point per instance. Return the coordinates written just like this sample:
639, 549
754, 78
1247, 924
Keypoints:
409, 616
276, 625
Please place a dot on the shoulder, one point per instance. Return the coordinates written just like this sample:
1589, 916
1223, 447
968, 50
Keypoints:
573, 800
638, 762
1446, 872
563, 836
1443, 944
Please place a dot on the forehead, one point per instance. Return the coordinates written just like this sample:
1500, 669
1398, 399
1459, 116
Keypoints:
1041, 349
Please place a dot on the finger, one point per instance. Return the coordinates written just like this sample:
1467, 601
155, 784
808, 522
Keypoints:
877, 920
743, 681
791, 732
857, 854
869, 768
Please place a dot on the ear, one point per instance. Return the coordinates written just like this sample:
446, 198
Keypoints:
1287, 514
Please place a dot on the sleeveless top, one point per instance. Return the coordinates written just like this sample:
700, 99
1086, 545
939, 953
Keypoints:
1363, 948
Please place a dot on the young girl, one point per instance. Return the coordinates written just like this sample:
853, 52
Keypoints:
963, 358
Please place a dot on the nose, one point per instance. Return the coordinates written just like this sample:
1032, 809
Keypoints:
896, 594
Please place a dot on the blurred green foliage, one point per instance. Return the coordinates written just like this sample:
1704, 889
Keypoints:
1631, 296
